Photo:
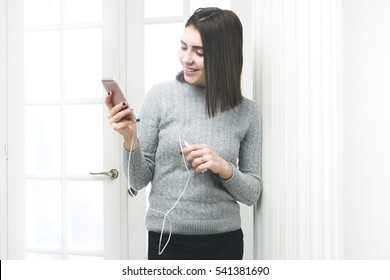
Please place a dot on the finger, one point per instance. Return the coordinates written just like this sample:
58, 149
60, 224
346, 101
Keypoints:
108, 101
123, 125
197, 153
193, 147
118, 122
125, 114
121, 111
197, 162
203, 166
119, 107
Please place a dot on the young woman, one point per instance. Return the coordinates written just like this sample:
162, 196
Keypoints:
198, 143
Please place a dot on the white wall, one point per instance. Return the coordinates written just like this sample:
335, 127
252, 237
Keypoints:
366, 122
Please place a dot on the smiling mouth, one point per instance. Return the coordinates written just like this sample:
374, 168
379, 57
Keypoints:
190, 70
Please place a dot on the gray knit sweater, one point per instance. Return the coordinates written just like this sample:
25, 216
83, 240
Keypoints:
209, 205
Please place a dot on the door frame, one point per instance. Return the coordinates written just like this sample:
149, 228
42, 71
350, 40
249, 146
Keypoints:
3, 133
15, 125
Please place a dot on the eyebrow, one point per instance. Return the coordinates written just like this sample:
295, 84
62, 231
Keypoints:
195, 47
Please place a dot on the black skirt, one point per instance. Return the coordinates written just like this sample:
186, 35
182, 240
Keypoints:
223, 246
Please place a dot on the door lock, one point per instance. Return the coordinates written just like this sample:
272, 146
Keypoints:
113, 174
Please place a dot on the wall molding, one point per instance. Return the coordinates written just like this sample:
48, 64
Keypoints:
298, 84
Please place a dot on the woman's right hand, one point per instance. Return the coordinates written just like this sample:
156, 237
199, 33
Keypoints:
122, 119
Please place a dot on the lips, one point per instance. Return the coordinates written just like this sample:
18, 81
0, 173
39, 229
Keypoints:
190, 71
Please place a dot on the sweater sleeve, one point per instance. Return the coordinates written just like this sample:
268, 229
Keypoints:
246, 184
139, 165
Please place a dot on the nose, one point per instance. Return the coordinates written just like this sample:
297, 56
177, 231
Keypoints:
187, 58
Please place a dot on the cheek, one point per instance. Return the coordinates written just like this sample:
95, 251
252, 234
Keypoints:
200, 63
180, 55
183, 55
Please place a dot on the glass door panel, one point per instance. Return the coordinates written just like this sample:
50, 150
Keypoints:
167, 8
85, 212
42, 12
82, 11
43, 65
162, 43
83, 63
43, 140
83, 138
44, 214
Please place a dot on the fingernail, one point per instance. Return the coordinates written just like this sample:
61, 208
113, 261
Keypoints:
109, 93
181, 153
138, 120
123, 103
131, 109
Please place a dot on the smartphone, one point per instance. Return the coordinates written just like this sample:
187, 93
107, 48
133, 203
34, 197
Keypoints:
111, 85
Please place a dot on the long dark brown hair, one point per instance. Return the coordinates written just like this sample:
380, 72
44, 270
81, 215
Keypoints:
221, 34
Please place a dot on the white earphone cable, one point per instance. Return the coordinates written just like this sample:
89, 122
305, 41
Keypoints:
130, 190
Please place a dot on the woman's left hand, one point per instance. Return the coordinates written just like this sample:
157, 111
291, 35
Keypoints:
202, 158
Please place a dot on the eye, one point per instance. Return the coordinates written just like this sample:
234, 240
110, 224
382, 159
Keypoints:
183, 46
199, 54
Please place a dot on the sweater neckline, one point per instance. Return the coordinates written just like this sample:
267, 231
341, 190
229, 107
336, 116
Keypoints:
194, 88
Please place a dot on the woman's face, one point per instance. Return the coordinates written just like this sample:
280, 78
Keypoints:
191, 57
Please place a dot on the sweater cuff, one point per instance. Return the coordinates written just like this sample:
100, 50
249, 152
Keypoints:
233, 181
124, 148
135, 154
233, 171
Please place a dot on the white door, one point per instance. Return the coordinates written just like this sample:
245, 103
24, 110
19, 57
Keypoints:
57, 53
57, 132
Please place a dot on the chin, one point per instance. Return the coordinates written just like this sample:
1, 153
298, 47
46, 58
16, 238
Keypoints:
193, 82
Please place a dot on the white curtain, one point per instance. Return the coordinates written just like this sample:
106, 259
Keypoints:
298, 84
